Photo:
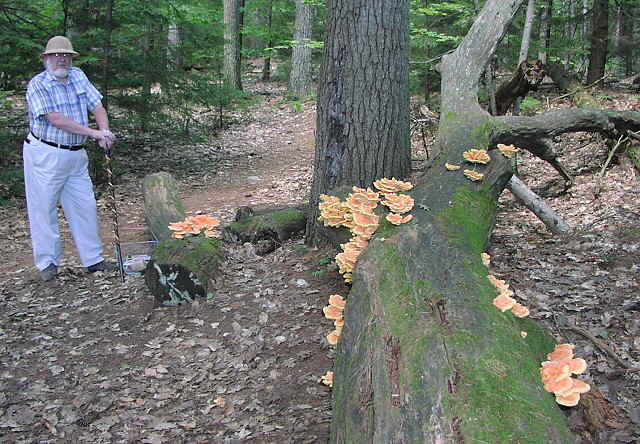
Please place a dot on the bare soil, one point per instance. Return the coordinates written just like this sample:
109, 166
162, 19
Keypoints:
88, 359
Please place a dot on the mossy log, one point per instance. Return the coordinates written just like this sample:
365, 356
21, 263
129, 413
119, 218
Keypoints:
180, 270
267, 228
424, 356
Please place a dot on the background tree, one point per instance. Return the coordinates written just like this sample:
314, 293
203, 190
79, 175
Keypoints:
363, 100
300, 79
232, 43
599, 40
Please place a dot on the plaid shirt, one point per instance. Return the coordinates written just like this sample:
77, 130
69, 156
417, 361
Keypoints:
46, 95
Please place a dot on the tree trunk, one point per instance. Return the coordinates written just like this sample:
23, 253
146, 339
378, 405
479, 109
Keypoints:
599, 40
545, 30
363, 101
526, 32
232, 43
266, 67
627, 13
424, 356
174, 47
300, 79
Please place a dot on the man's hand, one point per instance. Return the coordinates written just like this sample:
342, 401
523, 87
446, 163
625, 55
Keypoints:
105, 138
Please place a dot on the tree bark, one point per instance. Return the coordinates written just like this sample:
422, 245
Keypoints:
599, 40
162, 204
300, 79
545, 30
363, 101
231, 66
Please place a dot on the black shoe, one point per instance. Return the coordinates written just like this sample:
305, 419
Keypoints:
102, 266
49, 273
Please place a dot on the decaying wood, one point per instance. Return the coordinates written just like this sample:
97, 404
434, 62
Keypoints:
420, 329
527, 77
162, 204
180, 270
267, 228
538, 206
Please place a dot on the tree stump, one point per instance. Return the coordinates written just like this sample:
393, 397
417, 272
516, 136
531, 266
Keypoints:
526, 78
162, 203
180, 270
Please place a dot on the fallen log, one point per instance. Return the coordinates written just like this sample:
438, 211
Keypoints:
180, 270
267, 228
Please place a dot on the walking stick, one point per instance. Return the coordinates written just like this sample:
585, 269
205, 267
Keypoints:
114, 211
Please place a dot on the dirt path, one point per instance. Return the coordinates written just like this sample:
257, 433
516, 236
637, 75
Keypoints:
86, 359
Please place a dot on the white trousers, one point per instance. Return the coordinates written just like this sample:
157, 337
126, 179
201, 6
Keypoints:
53, 175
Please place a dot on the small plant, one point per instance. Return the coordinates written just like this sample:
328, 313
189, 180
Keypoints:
529, 104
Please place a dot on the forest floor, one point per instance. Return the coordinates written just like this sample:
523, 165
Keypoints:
88, 359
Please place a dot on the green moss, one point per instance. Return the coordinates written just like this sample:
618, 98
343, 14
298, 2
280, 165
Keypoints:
469, 218
483, 133
288, 216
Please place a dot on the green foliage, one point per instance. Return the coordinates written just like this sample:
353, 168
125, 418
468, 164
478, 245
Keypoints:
529, 104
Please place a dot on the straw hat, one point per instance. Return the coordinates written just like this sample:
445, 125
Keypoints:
59, 45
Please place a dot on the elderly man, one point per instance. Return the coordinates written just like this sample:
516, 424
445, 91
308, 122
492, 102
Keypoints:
55, 161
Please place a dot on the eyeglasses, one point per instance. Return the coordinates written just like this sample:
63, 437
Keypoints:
60, 55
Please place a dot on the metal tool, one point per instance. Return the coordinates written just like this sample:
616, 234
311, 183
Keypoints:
114, 212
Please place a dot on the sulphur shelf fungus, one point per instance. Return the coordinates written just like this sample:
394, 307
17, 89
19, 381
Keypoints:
331, 312
556, 375
520, 311
476, 156
195, 225
392, 185
504, 302
365, 201
327, 379
398, 203
473, 175
337, 301
397, 219
507, 150
333, 337
501, 285
451, 166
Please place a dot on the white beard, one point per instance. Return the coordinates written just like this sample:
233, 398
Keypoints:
58, 73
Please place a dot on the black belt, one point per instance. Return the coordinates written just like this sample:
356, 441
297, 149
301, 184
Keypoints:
57, 145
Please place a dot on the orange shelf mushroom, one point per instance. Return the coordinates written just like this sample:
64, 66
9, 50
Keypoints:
451, 166
392, 185
473, 175
333, 337
337, 301
195, 225
397, 219
556, 375
507, 150
476, 156
504, 302
331, 312
398, 203
520, 311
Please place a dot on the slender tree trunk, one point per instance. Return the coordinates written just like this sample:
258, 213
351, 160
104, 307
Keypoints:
363, 103
266, 68
626, 13
174, 50
526, 32
599, 40
106, 77
545, 30
231, 68
300, 80
570, 31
